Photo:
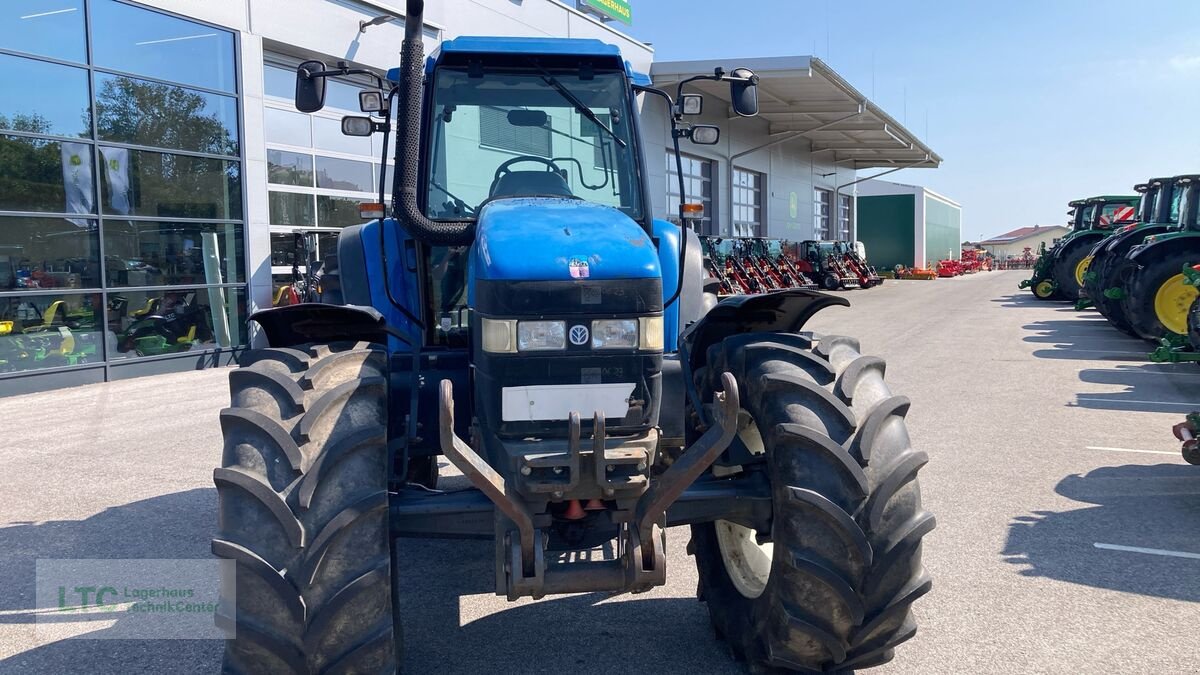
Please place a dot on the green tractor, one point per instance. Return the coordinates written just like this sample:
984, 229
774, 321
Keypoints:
1058, 274
1156, 295
1109, 270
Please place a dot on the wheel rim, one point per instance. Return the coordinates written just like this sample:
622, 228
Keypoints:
1043, 289
1082, 268
747, 562
1172, 302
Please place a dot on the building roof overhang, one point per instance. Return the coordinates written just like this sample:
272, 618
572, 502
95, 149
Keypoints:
803, 97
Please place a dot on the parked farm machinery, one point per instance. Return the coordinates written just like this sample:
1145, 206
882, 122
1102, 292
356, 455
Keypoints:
748, 266
1058, 273
562, 349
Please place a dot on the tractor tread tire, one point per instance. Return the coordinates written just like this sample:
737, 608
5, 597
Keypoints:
1144, 284
1063, 269
303, 512
848, 520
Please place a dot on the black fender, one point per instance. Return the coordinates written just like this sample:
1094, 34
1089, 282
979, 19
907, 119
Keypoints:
1178, 242
778, 311
315, 322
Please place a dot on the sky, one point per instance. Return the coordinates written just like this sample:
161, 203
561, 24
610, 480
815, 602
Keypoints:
1030, 104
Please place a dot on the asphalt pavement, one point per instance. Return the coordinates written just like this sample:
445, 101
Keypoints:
1068, 536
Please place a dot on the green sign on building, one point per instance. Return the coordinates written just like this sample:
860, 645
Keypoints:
615, 9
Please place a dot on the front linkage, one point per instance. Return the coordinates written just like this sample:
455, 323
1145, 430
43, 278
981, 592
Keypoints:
585, 475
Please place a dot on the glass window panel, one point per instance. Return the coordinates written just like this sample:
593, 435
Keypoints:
337, 211
345, 174
152, 323
40, 175
341, 95
283, 250
289, 168
165, 116
48, 27
279, 81
327, 135
291, 208
57, 104
144, 183
141, 253
50, 331
288, 127
143, 42
48, 253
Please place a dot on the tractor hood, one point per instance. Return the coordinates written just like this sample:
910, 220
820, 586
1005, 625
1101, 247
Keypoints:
552, 239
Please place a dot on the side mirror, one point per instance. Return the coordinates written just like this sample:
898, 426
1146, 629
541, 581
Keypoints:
705, 134
372, 101
310, 87
357, 126
743, 89
691, 104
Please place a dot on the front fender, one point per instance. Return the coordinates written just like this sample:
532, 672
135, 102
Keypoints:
314, 322
1143, 254
778, 311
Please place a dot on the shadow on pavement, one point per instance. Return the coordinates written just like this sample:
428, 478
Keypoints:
178, 525
1082, 339
1148, 387
1134, 505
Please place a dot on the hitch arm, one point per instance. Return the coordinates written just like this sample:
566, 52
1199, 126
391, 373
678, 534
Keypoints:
694, 461
484, 477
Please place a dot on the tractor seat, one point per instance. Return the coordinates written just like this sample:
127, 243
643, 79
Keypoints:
531, 183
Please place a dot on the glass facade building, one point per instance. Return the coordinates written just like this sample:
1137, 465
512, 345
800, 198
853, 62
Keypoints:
121, 193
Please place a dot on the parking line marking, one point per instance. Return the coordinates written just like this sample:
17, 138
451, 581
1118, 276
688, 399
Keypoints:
1149, 551
1132, 402
1148, 452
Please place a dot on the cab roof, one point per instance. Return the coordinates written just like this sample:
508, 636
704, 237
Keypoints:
1112, 198
529, 46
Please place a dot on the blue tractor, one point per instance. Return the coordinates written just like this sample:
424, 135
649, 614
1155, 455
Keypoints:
523, 315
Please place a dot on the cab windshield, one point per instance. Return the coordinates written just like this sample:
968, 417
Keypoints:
532, 133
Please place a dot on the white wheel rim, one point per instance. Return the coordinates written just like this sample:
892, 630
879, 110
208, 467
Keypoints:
747, 562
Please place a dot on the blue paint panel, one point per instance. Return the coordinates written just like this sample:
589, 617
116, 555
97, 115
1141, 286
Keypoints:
402, 280
668, 258
538, 239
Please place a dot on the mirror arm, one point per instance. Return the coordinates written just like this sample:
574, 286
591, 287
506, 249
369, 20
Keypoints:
343, 69
675, 131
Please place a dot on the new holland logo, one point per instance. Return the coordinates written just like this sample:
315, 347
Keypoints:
579, 335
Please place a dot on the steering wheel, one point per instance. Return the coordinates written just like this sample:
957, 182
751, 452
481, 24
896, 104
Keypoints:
506, 167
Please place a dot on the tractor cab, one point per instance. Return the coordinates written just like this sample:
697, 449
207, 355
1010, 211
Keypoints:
1109, 212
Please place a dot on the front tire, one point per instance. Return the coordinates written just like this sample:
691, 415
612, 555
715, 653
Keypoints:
303, 511
833, 588
830, 282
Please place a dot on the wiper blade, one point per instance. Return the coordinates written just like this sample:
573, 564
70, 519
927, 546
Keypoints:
579, 106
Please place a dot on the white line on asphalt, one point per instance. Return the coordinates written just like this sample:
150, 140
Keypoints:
1109, 400
1148, 452
1150, 551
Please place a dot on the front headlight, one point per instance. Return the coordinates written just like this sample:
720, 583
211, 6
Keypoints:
540, 336
615, 334
652, 333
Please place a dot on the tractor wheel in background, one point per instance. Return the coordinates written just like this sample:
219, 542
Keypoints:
303, 511
830, 282
833, 587
1069, 267
1113, 272
1158, 300
1044, 289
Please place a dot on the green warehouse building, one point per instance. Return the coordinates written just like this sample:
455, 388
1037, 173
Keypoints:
907, 225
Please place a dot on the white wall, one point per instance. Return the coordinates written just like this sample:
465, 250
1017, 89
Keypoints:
1045, 235
788, 168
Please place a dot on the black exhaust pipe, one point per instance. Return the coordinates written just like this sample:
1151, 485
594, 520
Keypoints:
408, 148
